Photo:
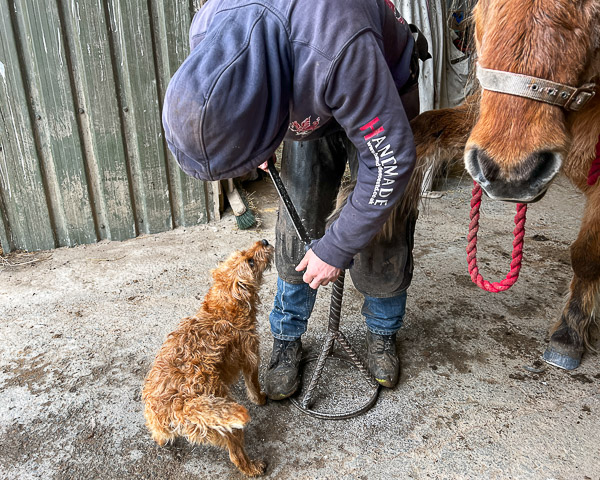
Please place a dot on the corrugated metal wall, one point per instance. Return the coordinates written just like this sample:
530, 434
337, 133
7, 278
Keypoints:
82, 152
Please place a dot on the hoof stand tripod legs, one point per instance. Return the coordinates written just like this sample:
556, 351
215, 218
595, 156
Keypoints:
333, 334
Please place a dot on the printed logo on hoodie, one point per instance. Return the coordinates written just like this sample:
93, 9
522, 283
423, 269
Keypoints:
384, 161
305, 128
395, 10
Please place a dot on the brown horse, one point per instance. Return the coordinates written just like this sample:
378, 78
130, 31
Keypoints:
521, 130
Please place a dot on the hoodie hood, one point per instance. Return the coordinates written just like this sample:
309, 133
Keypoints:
227, 107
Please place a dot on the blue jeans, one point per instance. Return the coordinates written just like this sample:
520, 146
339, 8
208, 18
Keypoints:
294, 304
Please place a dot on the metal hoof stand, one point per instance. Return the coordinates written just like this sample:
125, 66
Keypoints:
333, 329
333, 334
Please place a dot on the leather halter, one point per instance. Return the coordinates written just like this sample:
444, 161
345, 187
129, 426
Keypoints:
559, 94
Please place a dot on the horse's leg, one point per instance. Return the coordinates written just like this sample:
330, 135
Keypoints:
571, 334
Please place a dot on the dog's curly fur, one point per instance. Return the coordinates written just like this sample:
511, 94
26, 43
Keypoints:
186, 393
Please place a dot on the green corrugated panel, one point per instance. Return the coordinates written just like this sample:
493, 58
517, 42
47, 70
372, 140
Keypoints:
171, 22
138, 89
3, 221
82, 153
25, 215
51, 97
100, 120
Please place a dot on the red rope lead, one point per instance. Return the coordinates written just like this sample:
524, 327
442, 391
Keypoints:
595, 168
517, 254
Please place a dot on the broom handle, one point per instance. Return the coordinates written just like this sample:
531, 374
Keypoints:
287, 202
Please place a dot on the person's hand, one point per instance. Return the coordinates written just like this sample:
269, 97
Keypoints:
317, 271
264, 167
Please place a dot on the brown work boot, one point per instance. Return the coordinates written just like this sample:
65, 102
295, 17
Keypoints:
383, 360
282, 378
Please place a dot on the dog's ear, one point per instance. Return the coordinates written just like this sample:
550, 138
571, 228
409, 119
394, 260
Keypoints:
243, 282
240, 291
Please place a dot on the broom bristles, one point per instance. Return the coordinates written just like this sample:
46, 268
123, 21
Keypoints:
244, 216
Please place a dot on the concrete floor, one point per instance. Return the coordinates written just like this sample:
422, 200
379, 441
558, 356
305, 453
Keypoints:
80, 328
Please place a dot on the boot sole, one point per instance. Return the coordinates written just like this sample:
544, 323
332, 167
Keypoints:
386, 383
281, 396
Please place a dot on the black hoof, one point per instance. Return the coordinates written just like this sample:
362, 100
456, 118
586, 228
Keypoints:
561, 359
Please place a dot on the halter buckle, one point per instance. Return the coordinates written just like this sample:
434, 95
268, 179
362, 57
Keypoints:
580, 97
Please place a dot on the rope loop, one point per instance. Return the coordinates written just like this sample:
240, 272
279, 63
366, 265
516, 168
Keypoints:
517, 253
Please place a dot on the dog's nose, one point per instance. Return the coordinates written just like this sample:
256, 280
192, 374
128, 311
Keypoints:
264, 242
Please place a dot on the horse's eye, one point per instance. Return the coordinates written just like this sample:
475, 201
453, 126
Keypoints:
251, 262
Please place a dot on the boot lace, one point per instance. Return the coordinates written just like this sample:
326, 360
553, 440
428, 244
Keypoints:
284, 353
383, 344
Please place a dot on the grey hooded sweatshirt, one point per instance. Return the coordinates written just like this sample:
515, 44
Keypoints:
261, 71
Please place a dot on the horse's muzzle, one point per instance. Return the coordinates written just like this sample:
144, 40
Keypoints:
525, 183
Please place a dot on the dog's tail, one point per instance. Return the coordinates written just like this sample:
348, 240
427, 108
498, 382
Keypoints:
209, 413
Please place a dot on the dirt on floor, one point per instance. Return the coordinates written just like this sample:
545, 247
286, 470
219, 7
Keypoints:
79, 328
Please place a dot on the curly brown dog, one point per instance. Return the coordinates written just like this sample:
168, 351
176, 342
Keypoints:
186, 392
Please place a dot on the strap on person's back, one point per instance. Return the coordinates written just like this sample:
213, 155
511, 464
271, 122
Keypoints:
420, 52
421, 45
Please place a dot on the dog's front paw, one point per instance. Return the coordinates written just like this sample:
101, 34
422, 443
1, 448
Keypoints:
259, 399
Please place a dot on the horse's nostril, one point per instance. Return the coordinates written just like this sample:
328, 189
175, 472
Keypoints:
539, 168
489, 169
480, 166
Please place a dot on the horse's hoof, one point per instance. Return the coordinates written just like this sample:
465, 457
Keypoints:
562, 359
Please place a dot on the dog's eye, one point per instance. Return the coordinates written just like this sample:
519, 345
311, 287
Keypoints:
251, 262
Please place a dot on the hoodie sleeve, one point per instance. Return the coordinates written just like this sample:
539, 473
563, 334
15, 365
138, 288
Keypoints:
364, 100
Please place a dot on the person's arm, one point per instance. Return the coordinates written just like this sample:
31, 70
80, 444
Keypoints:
364, 100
